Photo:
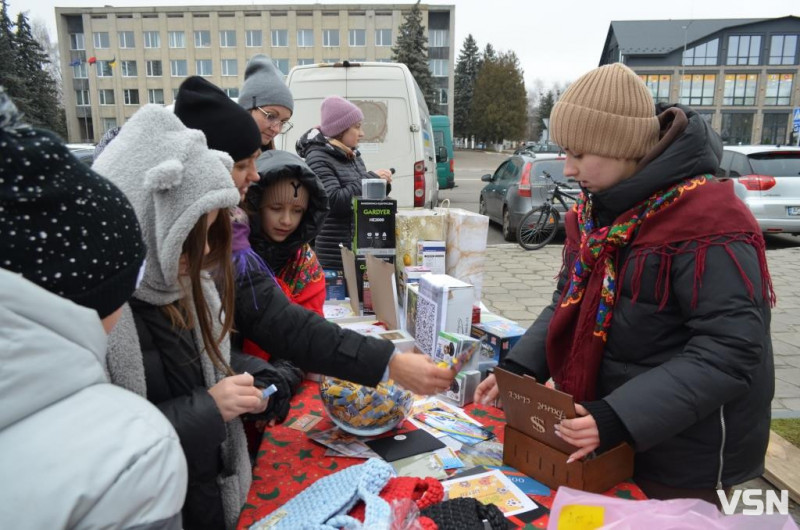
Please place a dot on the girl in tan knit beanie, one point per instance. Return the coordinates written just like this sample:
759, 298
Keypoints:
660, 329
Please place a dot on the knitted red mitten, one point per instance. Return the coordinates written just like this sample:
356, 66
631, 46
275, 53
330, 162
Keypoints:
424, 492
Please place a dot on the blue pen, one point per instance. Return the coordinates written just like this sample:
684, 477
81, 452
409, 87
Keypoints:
267, 392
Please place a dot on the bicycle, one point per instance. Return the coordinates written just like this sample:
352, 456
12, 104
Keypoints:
539, 226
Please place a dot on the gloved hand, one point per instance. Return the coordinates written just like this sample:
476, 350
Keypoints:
286, 377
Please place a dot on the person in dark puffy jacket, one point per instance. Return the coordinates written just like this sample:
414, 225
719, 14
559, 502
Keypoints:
331, 152
660, 325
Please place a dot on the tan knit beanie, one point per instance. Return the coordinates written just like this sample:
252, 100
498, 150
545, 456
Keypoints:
607, 112
286, 191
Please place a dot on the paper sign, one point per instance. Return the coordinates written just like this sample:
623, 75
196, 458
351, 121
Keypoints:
580, 517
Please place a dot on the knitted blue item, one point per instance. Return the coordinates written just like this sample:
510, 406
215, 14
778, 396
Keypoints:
324, 504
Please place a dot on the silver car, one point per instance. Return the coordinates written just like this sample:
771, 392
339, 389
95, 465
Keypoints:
767, 179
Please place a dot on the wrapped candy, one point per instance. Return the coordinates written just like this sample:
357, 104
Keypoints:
363, 410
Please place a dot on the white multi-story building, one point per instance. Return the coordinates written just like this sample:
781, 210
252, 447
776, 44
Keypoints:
116, 59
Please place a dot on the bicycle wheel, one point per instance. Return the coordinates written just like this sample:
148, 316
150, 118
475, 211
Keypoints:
538, 227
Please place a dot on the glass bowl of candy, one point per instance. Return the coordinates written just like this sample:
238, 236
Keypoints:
364, 410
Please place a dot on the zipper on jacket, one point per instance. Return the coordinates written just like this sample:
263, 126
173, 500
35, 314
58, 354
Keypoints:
722, 446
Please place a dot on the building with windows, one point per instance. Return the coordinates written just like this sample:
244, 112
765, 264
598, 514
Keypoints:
740, 74
116, 59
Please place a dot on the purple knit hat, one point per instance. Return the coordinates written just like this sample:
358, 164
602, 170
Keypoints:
338, 115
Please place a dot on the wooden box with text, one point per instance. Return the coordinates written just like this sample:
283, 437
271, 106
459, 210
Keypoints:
531, 446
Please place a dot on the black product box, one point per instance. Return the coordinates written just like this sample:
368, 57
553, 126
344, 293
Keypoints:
362, 279
374, 226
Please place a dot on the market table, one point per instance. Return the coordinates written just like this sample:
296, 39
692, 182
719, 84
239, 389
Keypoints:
288, 461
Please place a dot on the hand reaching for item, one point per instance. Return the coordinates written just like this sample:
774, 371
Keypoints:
581, 432
419, 374
236, 395
487, 391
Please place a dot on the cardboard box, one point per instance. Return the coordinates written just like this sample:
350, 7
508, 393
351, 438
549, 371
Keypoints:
362, 280
462, 389
374, 226
382, 289
409, 275
501, 336
431, 254
531, 446
444, 303
334, 285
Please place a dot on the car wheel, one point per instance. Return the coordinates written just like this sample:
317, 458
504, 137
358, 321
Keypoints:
482, 206
508, 233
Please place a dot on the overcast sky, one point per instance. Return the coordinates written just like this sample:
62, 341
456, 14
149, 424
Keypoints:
555, 40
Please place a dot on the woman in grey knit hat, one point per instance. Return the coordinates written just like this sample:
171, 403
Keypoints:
267, 98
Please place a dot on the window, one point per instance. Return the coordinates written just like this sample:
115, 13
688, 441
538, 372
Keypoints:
232, 92
301, 62
702, 55
203, 67
152, 39
174, 94
783, 49
282, 65
305, 38
202, 39
659, 87
438, 38
358, 37
131, 96
280, 38
698, 89
330, 61
101, 40
330, 38
109, 123
76, 41
779, 89
177, 68
106, 96
126, 39
774, 129
176, 39
230, 67
155, 95
383, 37
438, 67
441, 96
737, 128
154, 69
743, 49
103, 69
253, 38
80, 71
82, 98
129, 69
740, 89
227, 38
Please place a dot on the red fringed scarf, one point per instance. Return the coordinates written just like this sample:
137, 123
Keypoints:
690, 217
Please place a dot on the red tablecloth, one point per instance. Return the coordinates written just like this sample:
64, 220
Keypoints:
288, 461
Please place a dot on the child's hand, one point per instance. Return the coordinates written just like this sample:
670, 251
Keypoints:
236, 395
418, 373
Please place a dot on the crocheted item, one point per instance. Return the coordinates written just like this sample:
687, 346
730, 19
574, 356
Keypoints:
424, 492
466, 513
324, 504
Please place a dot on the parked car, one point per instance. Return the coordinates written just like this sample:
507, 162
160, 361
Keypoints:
767, 179
536, 147
516, 187
443, 141
83, 152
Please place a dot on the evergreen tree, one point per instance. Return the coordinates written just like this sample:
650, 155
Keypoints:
546, 103
8, 74
488, 53
411, 49
499, 104
466, 73
38, 99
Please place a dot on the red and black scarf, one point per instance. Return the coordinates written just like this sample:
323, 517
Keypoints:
691, 216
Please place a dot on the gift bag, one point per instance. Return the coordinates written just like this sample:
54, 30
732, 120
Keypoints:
578, 510
466, 246
412, 226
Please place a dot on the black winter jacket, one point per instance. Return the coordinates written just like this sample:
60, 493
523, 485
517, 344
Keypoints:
692, 386
341, 175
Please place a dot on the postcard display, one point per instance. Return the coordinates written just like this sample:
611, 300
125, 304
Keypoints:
531, 446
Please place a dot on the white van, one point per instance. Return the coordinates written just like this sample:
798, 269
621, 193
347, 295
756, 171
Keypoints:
397, 126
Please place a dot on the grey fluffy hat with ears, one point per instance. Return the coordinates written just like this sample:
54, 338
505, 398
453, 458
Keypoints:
172, 178
264, 86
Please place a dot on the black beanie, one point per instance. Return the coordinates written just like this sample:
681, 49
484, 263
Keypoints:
63, 226
227, 126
